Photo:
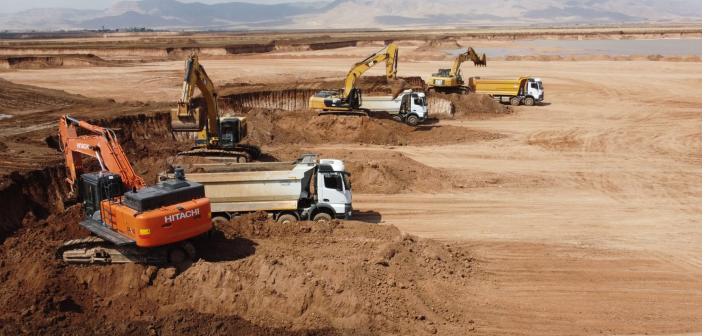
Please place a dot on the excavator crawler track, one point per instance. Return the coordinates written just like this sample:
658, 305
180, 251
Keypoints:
359, 113
95, 250
243, 153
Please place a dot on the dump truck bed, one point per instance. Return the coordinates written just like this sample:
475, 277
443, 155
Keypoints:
246, 187
496, 86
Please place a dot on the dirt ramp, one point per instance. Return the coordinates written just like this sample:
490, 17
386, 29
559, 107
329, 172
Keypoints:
281, 127
375, 171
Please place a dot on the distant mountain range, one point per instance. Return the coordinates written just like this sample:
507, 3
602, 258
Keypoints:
172, 14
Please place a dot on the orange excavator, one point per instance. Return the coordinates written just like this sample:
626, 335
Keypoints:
130, 222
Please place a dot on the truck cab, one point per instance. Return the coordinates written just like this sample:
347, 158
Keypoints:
232, 131
333, 187
533, 88
413, 108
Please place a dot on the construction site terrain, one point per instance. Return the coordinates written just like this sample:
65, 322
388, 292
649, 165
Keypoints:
581, 216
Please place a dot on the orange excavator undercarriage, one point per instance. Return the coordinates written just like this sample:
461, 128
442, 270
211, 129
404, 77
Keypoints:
130, 222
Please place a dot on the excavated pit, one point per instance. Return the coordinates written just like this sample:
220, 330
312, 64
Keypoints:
255, 276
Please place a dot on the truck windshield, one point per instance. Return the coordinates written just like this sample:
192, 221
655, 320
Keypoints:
347, 180
541, 85
333, 181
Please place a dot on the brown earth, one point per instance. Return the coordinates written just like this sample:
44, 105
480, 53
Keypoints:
466, 106
283, 127
305, 279
590, 227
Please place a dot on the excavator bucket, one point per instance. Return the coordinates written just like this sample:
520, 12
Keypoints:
482, 62
188, 118
184, 119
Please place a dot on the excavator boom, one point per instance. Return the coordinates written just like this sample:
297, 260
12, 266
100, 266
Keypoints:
187, 118
101, 144
132, 222
389, 55
450, 80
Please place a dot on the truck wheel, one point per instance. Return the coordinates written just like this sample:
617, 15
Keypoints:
412, 120
515, 101
529, 101
220, 221
287, 219
322, 218
177, 256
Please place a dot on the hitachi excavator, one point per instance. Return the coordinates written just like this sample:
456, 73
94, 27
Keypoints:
349, 98
218, 137
130, 222
450, 80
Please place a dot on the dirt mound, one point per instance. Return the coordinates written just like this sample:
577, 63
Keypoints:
380, 171
470, 106
282, 127
255, 276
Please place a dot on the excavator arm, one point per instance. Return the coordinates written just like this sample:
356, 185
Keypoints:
100, 143
187, 118
389, 55
469, 55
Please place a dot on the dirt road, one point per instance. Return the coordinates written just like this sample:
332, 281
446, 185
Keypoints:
590, 220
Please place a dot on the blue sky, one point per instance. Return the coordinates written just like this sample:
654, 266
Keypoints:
10, 6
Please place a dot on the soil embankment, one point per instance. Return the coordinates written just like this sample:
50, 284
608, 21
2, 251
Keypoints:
51, 61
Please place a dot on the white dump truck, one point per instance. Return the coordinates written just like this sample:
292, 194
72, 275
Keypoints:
409, 106
306, 189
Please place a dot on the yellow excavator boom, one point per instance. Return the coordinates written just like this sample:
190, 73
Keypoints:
388, 55
450, 80
471, 55
187, 118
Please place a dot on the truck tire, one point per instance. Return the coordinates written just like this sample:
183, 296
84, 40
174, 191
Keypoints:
529, 101
177, 256
515, 101
412, 120
322, 218
219, 221
287, 219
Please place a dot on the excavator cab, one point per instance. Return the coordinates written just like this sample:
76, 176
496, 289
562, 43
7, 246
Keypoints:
96, 187
232, 130
442, 73
355, 98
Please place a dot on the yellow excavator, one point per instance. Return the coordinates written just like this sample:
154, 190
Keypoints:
450, 80
349, 98
218, 137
